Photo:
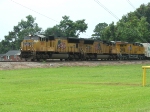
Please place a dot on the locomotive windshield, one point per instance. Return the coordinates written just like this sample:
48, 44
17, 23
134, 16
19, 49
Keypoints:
27, 38
35, 38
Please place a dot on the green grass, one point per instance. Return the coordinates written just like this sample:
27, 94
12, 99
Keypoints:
116, 88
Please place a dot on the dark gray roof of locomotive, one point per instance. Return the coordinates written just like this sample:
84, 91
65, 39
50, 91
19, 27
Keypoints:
73, 40
13, 52
77, 40
88, 41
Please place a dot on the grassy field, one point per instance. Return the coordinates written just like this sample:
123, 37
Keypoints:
114, 88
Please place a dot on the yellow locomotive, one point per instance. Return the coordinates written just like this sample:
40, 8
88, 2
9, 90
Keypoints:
40, 47
125, 50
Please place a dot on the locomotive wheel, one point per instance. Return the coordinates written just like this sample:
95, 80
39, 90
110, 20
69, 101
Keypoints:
32, 59
38, 59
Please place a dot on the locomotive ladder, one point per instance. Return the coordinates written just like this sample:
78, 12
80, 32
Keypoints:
83, 53
33, 52
119, 54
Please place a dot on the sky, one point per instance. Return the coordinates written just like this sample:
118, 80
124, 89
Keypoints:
48, 13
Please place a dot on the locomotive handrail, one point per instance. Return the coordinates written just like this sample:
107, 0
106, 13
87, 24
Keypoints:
144, 74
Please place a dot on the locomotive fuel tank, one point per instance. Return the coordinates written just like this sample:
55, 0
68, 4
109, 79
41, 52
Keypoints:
103, 56
59, 56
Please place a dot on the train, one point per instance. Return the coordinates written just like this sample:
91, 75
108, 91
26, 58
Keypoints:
40, 47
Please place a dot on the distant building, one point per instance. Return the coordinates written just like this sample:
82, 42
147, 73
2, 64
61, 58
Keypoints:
2, 57
12, 55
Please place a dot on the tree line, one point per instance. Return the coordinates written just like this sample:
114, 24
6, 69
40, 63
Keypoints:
132, 27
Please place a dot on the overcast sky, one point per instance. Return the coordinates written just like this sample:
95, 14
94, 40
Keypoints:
11, 12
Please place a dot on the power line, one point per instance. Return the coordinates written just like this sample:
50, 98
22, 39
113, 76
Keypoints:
39, 13
34, 11
131, 4
99, 3
133, 7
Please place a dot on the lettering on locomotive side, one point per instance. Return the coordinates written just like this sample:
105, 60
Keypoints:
130, 48
98, 46
61, 45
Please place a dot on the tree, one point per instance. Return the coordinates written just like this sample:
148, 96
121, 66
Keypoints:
25, 28
143, 10
80, 27
70, 28
99, 30
67, 28
112, 31
143, 30
133, 27
136, 25
134, 30
4, 46
15, 37
108, 32
55, 31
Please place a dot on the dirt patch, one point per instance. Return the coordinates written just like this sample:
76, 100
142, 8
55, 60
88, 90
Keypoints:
52, 64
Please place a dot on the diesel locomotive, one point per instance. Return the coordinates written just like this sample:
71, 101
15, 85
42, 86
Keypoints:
37, 47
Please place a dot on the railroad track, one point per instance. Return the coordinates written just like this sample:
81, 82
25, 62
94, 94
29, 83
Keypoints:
82, 61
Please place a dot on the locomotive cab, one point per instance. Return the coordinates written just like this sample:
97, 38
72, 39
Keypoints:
28, 46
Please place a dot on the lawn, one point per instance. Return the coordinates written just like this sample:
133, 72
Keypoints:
113, 88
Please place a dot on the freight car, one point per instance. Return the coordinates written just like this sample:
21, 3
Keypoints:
147, 50
39, 47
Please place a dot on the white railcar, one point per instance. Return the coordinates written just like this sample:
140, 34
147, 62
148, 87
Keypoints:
147, 49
